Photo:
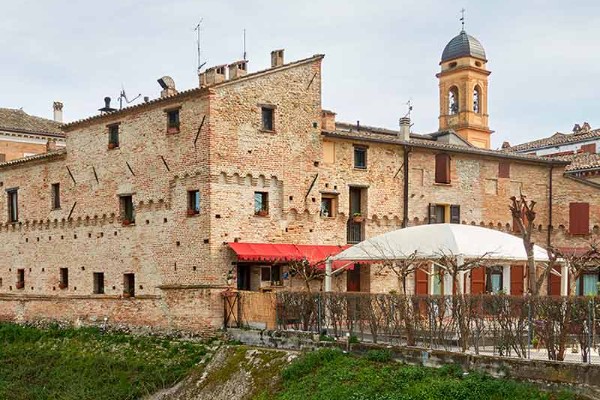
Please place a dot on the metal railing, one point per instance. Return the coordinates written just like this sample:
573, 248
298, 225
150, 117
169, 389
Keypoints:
355, 232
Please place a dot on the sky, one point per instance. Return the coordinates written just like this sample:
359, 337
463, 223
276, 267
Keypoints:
544, 55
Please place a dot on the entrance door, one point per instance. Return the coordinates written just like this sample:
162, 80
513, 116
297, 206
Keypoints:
243, 277
517, 279
353, 279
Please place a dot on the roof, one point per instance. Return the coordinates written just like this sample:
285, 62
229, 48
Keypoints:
382, 135
42, 156
581, 162
17, 120
189, 92
557, 139
432, 241
463, 45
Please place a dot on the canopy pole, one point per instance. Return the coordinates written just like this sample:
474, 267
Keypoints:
564, 279
328, 273
460, 260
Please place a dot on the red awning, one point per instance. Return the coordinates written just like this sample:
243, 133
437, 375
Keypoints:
280, 252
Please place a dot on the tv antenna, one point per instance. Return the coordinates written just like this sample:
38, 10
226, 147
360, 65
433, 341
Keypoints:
462, 18
197, 29
410, 107
245, 44
123, 95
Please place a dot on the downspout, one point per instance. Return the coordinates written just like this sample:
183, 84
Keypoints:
549, 234
405, 192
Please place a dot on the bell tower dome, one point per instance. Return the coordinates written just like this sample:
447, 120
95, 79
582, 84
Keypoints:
463, 82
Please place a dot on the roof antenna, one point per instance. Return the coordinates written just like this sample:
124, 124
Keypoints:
245, 44
123, 95
197, 29
462, 19
410, 107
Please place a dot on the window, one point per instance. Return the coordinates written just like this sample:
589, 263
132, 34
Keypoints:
495, 279
443, 213
64, 278
99, 282
2, 157
276, 275
329, 152
267, 114
328, 205
13, 205
128, 285
579, 218
173, 121
265, 274
113, 136
360, 157
588, 148
261, 203
127, 214
587, 284
442, 168
476, 100
453, 100
193, 202
503, 169
20, 278
55, 196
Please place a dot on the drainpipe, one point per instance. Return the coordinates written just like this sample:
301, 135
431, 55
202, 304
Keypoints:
549, 236
405, 194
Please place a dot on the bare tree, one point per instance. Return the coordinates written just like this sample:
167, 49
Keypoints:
523, 214
307, 271
578, 263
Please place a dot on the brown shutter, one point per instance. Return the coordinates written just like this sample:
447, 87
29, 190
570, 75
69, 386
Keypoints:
478, 280
503, 169
2, 157
455, 214
442, 168
554, 283
579, 218
589, 148
432, 213
422, 282
517, 278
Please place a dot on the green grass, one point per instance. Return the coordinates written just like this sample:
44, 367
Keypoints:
83, 363
332, 375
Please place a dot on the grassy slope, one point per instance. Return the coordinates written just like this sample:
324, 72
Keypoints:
332, 375
85, 364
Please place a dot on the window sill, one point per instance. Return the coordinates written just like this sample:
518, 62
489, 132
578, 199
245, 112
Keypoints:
124, 223
360, 168
112, 148
442, 184
261, 215
328, 216
173, 131
56, 208
271, 131
192, 214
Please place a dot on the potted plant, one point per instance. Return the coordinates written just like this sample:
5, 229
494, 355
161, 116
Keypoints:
191, 212
126, 222
262, 213
20, 285
358, 218
62, 285
111, 146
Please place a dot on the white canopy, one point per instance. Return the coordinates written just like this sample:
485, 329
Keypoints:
434, 240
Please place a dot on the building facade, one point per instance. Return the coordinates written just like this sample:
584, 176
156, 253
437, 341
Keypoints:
154, 210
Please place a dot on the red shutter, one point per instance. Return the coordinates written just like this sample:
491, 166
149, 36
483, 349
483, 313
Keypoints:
442, 168
579, 218
589, 148
517, 277
554, 284
421, 282
503, 169
478, 280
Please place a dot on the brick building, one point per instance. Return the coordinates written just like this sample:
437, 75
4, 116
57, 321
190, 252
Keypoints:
154, 209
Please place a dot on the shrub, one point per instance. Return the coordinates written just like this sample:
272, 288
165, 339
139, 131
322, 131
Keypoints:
382, 356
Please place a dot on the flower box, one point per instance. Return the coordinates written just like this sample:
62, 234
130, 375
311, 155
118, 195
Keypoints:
262, 213
191, 213
62, 285
126, 222
358, 219
20, 285
173, 129
112, 146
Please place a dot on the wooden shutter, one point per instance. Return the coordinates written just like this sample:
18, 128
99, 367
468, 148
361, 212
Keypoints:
589, 148
431, 215
579, 218
503, 169
2, 157
442, 168
517, 277
422, 282
478, 280
455, 214
554, 284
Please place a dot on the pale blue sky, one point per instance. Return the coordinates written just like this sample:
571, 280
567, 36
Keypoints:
544, 55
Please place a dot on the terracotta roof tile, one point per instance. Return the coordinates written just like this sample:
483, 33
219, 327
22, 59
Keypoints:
555, 140
52, 154
19, 121
581, 161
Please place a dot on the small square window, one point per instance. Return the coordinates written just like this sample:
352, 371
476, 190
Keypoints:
267, 118
113, 136
265, 274
128, 285
261, 203
360, 157
173, 121
127, 211
328, 206
64, 278
55, 196
99, 282
193, 202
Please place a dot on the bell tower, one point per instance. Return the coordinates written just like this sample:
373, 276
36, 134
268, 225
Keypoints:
463, 82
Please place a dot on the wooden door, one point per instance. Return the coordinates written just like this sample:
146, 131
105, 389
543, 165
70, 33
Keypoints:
517, 280
422, 282
353, 279
478, 280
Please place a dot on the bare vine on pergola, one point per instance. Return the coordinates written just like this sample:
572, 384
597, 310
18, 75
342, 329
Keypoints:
307, 271
579, 263
456, 265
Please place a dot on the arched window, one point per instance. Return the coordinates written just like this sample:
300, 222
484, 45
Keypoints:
477, 100
453, 100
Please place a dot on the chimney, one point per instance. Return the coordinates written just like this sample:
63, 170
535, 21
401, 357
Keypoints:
215, 75
168, 85
505, 145
58, 114
276, 58
238, 69
328, 121
107, 108
404, 133
202, 79
51, 145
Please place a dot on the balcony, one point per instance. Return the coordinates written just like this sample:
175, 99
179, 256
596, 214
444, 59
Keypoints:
355, 232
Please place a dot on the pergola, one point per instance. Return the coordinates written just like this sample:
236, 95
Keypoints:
431, 242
